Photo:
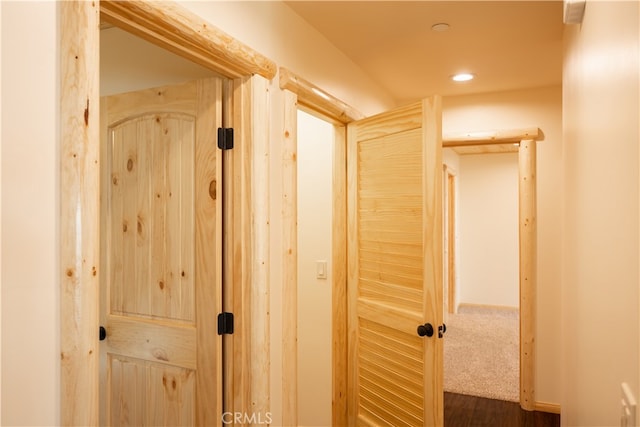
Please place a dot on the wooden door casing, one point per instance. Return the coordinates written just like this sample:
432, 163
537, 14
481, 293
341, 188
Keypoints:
161, 361
395, 266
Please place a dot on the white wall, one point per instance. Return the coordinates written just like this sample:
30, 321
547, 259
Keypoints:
315, 169
30, 287
541, 107
488, 243
601, 212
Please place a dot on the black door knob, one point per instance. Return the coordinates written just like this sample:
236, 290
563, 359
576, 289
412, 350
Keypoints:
103, 333
425, 330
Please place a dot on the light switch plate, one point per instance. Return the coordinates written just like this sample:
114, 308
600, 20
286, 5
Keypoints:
321, 269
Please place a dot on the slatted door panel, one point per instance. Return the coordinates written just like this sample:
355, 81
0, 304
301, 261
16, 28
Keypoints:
390, 213
163, 234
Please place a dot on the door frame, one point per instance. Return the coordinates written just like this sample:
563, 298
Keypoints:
302, 93
527, 219
450, 181
186, 34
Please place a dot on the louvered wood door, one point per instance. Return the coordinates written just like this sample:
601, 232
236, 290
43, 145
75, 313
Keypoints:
161, 226
395, 267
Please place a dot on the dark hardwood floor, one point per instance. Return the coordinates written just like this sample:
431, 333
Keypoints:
462, 411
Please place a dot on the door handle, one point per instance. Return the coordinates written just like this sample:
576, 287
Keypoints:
441, 330
426, 329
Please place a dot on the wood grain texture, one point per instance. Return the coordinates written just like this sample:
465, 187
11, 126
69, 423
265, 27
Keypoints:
433, 238
528, 271
152, 215
339, 274
151, 393
394, 171
162, 256
490, 137
79, 212
311, 96
171, 27
246, 241
260, 289
353, 383
290, 262
239, 244
465, 150
462, 411
208, 245
451, 240
229, 255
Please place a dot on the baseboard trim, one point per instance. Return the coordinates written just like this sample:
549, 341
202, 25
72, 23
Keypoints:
547, 407
486, 306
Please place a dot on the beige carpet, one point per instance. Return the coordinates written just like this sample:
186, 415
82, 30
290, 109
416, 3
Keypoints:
481, 356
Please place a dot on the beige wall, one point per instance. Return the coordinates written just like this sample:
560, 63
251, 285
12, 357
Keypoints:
129, 63
541, 107
601, 213
488, 243
315, 199
274, 30
30, 317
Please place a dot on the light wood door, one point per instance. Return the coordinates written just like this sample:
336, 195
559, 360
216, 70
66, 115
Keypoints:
395, 267
161, 359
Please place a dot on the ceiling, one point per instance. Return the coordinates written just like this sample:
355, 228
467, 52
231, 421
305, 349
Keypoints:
507, 44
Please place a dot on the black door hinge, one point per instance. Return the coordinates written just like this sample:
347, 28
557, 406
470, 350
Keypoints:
225, 138
225, 323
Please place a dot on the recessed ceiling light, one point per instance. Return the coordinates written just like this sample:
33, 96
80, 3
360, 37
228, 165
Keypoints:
440, 27
463, 77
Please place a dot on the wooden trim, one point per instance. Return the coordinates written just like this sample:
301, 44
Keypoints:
490, 137
259, 283
464, 305
180, 31
208, 238
552, 408
290, 261
528, 272
246, 242
433, 251
79, 212
339, 285
352, 276
451, 239
228, 255
312, 96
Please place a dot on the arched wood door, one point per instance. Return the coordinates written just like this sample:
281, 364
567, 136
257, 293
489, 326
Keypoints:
161, 222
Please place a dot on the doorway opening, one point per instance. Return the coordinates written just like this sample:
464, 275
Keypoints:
481, 352
527, 231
